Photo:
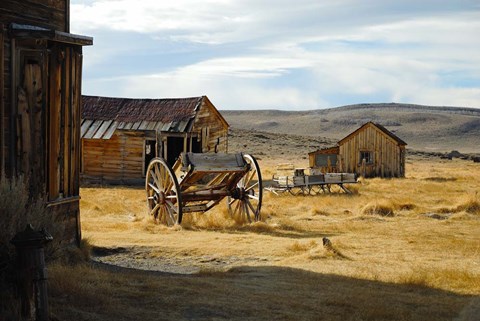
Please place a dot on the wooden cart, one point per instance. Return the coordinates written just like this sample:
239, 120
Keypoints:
198, 182
299, 183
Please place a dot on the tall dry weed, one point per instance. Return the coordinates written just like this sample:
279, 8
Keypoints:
379, 208
471, 205
17, 209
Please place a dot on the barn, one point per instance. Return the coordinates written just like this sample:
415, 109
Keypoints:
370, 151
121, 135
40, 100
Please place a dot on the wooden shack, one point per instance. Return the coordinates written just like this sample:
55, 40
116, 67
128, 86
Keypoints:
121, 135
40, 100
372, 151
324, 160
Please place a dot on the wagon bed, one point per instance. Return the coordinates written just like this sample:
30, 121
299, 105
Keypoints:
299, 183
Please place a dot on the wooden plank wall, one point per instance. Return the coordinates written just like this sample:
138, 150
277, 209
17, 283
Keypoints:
6, 101
217, 134
3, 119
118, 160
386, 154
47, 124
51, 14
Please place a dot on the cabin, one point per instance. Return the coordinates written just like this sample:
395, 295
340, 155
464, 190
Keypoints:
40, 101
370, 151
120, 136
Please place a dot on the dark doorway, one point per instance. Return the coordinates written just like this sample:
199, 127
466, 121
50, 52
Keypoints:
196, 145
174, 148
149, 154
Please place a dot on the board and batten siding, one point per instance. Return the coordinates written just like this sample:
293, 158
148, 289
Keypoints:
388, 155
211, 128
40, 101
118, 160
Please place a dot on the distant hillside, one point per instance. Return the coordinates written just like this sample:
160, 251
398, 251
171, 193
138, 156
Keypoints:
426, 128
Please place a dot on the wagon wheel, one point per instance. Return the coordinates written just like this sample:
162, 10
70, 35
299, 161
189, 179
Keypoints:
246, 199
163, 193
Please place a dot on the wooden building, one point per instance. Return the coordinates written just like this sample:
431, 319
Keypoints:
372, 151
323, 160
121, 135
40, 100
369, 151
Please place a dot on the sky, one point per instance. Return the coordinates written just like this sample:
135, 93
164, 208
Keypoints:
279, 54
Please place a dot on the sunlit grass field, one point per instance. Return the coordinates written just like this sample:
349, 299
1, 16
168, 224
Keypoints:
402, 249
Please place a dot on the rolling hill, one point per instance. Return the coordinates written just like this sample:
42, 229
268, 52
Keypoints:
425, 128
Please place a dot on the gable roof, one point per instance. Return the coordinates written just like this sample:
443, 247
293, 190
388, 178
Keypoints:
101, 116
380, 127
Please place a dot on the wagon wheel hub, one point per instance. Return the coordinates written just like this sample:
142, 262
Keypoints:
159, 198
239, 193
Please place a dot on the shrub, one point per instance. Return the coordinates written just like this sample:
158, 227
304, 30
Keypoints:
471, 206
17, 208
382, 209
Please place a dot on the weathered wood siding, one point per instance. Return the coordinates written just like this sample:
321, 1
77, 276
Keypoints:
212, 130
40, 100
3, 95
118, 160
388, 156
50, 14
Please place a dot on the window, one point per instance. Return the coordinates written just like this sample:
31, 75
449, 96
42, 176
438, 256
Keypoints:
367, 156
322, 160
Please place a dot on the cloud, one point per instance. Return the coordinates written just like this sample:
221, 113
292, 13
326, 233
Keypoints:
283, 54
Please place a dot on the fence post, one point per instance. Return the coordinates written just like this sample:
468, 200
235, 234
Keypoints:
32, 272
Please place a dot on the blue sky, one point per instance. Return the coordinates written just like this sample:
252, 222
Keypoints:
279, 54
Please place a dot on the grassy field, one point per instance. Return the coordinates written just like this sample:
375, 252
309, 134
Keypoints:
403, 249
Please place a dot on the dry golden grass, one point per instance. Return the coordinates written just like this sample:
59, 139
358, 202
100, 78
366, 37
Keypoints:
395, 260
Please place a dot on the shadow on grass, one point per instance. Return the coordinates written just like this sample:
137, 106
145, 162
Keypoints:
287, 231
244, 293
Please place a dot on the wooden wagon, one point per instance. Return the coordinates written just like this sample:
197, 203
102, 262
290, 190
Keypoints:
197, 182
300, 183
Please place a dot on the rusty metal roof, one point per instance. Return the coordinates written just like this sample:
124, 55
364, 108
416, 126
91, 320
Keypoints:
101, 116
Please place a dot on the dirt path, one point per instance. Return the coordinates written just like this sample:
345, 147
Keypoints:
144, 258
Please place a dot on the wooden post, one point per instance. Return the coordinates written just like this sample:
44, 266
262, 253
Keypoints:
185, 143
32, 272
364, 167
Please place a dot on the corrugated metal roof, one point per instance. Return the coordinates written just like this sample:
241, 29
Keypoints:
101, 116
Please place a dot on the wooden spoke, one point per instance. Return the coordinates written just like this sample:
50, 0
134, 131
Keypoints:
248, 194
155, 188
252, 186
253, 197
163, 193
